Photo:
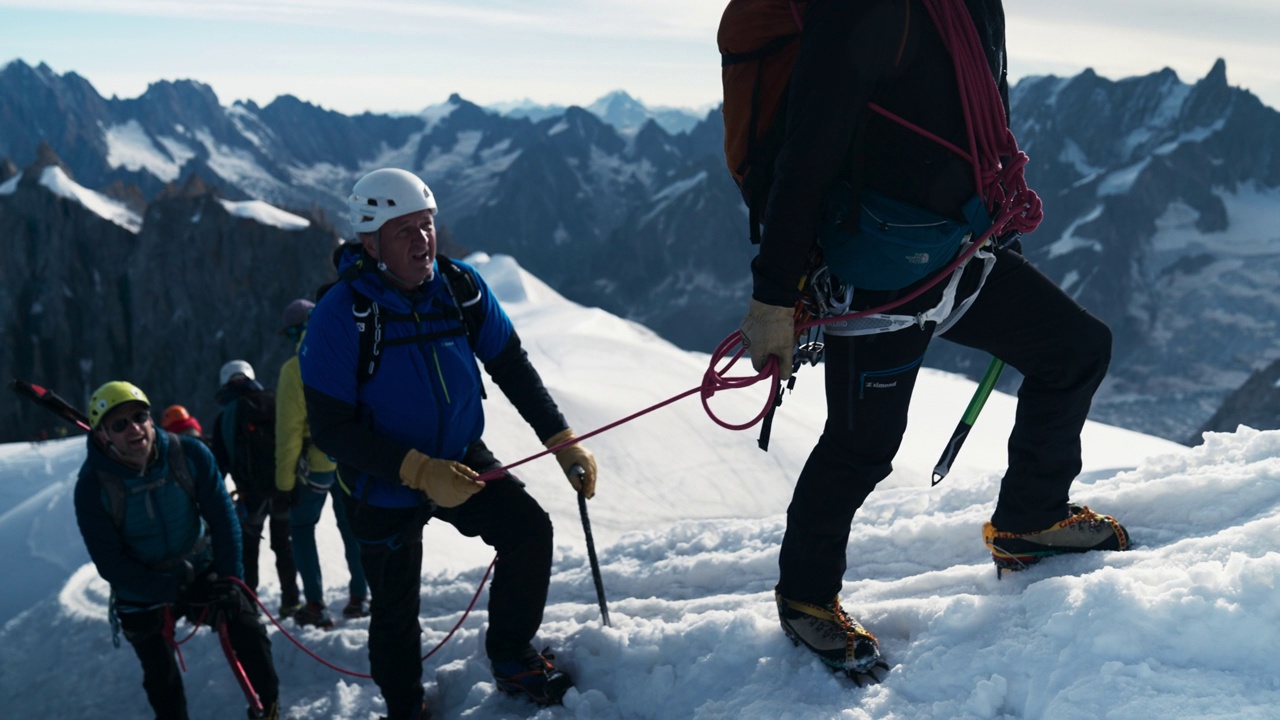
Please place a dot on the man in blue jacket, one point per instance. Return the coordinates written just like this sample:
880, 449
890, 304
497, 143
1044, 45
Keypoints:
393, 393
160, 528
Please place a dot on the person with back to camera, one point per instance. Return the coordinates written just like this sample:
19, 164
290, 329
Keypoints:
309, 476
244, 444
874, 117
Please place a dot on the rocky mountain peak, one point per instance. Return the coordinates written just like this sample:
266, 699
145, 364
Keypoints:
127, 193
45, 157
290, 103
1217, 77
193, 187
588, 126
1255, 404
17, 71
1210, 97
176, 93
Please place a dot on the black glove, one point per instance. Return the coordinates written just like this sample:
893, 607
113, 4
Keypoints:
215, 600
278, 505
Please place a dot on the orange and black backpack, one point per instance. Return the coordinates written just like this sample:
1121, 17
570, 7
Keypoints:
758, 40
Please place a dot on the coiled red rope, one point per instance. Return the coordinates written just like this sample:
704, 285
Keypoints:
997, 163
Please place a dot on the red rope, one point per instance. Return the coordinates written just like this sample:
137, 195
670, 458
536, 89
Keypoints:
714, 379
167, 623
995, 158
471, 606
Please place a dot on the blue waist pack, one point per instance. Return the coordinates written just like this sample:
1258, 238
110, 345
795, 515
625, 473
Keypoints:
894, 244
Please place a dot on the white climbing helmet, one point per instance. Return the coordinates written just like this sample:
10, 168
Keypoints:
386, 194
232, 369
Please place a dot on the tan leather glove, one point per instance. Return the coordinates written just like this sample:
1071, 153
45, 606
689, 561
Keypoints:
575, 455
446, 482
769, 330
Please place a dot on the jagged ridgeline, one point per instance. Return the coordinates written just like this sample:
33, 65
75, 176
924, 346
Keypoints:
1158, 195
94, 288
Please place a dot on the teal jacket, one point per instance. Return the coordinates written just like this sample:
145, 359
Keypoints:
145, 559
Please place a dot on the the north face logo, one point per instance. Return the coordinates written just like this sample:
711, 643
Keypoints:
918, 258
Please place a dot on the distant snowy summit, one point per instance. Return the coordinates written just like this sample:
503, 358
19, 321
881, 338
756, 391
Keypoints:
617, 108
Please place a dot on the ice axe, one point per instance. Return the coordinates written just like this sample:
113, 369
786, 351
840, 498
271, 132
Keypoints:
255, 703
591, 544
970, 416
51, 401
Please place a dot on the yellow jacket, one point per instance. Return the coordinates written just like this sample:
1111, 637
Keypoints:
292, 429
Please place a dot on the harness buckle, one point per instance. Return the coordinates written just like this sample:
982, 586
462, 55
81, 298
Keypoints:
809, 352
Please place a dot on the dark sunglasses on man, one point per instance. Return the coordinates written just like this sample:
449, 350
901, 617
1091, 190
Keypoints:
119, 425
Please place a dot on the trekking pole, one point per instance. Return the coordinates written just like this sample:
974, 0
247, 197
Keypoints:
970, 416
591, 547
255, 703
51, 401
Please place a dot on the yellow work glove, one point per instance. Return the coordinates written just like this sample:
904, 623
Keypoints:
769, 330
578, 463
446, 482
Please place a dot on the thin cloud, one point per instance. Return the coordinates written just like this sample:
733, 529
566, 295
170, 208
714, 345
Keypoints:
572, 50
658, 19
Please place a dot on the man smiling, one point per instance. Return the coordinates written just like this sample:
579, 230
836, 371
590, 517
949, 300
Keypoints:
160, 529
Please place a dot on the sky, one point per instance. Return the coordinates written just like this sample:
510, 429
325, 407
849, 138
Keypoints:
403, 55
687, 520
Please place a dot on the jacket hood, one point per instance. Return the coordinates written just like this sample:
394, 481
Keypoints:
354, 261
234, 390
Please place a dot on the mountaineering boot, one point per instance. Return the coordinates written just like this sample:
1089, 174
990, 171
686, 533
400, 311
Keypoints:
837, 639
533, 675
289, 609
313, 614
1083, 531
357, 607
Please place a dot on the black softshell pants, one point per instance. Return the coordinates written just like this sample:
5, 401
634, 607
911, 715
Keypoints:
1020, 317
272, 512
503, 515
161, 676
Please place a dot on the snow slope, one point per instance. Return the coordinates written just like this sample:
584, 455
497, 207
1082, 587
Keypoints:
687, 521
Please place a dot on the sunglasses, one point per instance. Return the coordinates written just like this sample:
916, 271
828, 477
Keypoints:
120, 424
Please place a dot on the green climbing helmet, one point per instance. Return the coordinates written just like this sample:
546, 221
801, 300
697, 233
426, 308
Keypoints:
111, 395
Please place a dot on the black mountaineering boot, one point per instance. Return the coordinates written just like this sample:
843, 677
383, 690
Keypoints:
533, 676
